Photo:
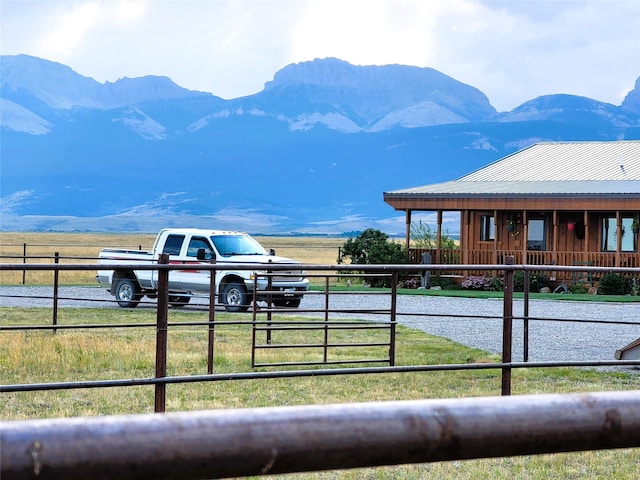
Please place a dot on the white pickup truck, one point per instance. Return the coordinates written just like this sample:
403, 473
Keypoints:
192, 247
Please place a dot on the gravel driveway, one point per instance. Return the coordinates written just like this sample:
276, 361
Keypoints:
552, 340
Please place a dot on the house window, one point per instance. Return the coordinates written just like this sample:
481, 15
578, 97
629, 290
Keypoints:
610, 235
536, 234
487, 228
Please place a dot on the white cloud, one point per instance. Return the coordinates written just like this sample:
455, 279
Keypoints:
511, 50
371, 32
71, 30
10, 203
130, 9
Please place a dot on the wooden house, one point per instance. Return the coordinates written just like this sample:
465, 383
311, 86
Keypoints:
563, 203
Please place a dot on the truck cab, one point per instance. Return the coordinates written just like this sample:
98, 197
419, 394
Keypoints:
191, 247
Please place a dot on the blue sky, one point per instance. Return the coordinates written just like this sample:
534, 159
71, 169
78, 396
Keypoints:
511, 50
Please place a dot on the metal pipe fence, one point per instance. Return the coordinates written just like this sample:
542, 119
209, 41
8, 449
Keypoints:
398, 432
269, 325
248, 442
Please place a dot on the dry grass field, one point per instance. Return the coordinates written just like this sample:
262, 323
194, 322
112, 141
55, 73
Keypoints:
122, 353
41, 356
84, 248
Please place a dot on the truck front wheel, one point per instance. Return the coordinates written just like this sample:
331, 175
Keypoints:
234, 298
127, 293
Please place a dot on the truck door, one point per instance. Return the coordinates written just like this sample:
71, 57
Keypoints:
173, 247
197, 280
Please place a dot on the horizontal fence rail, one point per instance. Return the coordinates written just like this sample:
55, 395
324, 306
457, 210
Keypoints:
232, 443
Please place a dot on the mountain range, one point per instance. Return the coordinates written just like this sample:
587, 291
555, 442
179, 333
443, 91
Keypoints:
311, 153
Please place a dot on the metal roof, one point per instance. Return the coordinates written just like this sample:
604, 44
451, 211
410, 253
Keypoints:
586, 187
559, 168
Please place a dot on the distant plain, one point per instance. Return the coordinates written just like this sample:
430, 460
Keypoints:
84, 248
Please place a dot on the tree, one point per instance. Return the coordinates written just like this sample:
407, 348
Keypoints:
424, 237
373, 247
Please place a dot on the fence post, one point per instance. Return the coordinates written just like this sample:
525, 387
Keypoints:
525, 326
24, 261
161, 333
56, 276
212, 318
325, 353
269, 304
392, 336
254, 317
507, 326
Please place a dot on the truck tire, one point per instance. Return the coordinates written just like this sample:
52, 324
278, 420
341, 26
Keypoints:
178, 301
234, 297
127, 293
291, 302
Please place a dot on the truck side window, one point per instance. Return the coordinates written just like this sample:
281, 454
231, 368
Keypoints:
173, 245
195, 244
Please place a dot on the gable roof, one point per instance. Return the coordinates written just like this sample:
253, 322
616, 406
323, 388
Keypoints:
543, 169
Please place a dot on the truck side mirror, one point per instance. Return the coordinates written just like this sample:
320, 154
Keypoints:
272, 251
201, 254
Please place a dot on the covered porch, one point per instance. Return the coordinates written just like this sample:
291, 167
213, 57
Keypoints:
603, 238
552, 203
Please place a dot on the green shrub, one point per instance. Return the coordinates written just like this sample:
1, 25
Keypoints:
445, 283
579, 288
536, 281
614, 284
373, 247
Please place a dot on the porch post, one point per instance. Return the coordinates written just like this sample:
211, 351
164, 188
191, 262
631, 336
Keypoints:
496, 232
618, 237
407, 231
439, 237
554, 245
554, 257
585, 221
465, 242
525, 236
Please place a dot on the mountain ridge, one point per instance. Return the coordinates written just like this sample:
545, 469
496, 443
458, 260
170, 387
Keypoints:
312, 152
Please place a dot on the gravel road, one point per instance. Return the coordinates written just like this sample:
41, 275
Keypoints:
549, 340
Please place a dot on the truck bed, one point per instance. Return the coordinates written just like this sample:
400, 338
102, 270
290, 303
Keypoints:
109, 254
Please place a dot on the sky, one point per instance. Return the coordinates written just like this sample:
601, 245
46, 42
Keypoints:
513, 51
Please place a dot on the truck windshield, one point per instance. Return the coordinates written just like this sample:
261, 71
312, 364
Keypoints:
237, 245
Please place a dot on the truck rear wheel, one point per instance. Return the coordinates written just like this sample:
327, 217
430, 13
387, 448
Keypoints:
178, 301
291, 302
234, 298
127, 293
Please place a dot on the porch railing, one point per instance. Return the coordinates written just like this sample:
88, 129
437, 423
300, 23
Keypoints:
452, 256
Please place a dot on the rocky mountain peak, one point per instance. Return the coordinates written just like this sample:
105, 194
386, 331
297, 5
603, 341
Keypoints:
369, 94
60, 87
632, 101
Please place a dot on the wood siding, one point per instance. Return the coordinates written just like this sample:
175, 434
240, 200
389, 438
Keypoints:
558, 244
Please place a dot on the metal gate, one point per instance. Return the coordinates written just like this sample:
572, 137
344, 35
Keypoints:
330, 340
